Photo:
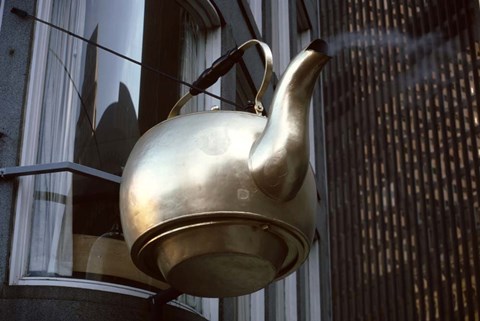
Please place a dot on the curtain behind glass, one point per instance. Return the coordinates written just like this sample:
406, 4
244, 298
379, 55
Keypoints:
192, 49
51, 238
90, 109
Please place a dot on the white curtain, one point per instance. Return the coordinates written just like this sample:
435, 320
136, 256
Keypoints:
192, 59
51, 236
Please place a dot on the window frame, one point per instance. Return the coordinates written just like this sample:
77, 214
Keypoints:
2, 6
256, 8
29, 148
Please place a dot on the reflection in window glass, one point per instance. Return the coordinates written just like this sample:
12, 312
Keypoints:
94, 108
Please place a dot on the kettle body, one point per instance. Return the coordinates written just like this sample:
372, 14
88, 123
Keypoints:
221, 203
210, 231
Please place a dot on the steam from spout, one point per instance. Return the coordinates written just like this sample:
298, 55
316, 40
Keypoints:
384, 38
419, 56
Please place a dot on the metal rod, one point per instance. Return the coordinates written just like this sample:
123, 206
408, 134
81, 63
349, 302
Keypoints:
353, 209
471, 160
398, 296
11, 172
436, 226
387, 166
158, 301
463, 169
335, 252
373, 166
405, 211
450, 247
362, 239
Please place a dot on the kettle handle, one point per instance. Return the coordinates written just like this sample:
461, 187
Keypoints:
220, 67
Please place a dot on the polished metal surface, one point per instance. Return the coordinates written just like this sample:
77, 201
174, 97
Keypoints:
229, 247
195, 210
279, 158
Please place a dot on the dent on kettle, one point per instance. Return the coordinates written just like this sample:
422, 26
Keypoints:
224, 215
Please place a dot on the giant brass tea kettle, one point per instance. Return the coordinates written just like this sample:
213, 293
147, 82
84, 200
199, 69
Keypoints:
221, 203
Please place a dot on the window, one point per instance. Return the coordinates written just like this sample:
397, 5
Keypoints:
88, 106
280, 36
2, 5
256, 8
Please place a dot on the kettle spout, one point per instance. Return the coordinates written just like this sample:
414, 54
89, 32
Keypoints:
279, 158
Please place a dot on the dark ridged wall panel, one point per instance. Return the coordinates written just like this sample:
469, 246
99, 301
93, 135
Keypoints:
402, 97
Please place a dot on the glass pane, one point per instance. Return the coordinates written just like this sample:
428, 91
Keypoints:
95, 106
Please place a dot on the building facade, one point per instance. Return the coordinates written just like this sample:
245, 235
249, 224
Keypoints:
402, 137
67, 101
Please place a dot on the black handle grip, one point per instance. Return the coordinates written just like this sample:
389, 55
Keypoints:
19, 12
219, 68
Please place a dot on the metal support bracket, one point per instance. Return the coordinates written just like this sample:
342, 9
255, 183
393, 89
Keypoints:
11, 172
159, 300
